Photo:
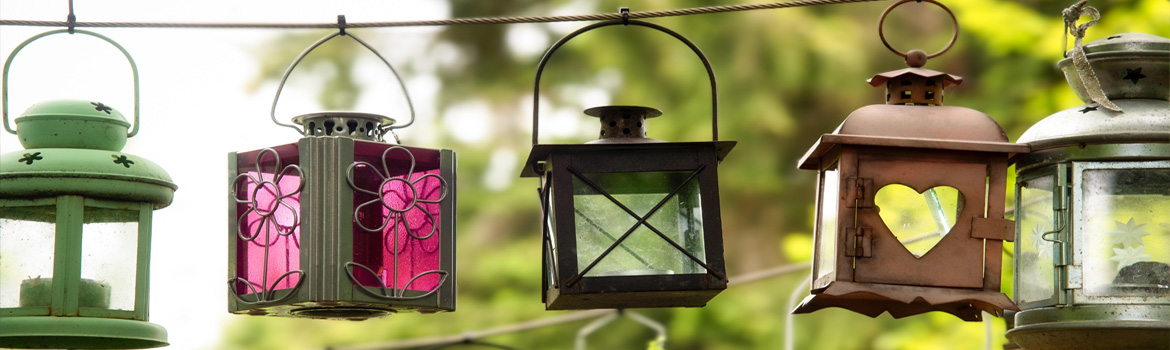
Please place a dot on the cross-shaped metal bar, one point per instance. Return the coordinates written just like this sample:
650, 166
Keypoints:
641, 222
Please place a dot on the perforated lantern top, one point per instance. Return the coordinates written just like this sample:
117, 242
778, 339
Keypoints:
1134, 73
73, 147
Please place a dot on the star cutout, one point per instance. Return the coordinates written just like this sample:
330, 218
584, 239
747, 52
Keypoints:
104, 108
1128, 233
1043, 248
1133, 75
1129, 256
122, 160
30, 158
1087, 109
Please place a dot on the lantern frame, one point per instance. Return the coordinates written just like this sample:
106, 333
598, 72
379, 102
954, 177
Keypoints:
564, 282
327, 218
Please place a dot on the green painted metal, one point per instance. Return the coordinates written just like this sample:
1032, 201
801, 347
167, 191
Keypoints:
79, 333
74, 162
72, 124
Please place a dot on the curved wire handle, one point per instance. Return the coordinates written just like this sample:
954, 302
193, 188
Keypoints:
558, 44
882, 21
8, 62
300, 57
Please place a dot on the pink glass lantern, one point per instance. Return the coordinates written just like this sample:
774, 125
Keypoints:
340, 225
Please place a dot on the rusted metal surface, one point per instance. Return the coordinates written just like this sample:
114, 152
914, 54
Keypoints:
912, 141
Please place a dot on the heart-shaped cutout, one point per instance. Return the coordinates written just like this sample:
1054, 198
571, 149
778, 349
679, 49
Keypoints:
919, 219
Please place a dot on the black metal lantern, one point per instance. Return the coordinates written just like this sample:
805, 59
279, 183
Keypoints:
910, 202
1093, 203
340, 225
629, 221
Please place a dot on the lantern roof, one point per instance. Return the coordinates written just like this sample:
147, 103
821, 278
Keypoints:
947, 79
1133, 71
73, 147
936, 127
1143, 120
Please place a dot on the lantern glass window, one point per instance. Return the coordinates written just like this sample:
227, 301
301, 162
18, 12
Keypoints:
827, 236
26, 254
268, 235
397, 221
600, 222
1125, 247
109, 241
1034, 248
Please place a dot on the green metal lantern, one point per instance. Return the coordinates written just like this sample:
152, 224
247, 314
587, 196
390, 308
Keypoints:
75, 227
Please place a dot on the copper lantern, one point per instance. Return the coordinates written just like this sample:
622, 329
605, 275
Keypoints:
910, 203
629, 221
1093, 204
339, 224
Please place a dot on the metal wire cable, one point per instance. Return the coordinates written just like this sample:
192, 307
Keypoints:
553, 320
442, 22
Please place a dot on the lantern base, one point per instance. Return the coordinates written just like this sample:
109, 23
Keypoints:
47, 332
873, 299
1093, 327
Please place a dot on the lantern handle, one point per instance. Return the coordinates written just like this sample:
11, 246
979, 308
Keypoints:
300, 57
954, 22
8, 63
623, 22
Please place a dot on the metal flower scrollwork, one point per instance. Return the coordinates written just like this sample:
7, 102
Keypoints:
270, 217
401, 204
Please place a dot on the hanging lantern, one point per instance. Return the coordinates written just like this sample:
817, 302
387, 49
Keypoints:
910, 202
629, 221
340, 225
75, 226
1093, 204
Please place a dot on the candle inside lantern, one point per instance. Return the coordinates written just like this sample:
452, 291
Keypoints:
39, 292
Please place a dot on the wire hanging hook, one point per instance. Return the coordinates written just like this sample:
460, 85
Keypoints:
625, 11
71, 19
341, 32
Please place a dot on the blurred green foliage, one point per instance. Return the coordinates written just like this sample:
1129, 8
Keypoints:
785, 77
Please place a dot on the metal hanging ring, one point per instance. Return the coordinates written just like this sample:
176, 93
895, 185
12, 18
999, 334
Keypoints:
8, 63
954, 22
558, 44
305, 53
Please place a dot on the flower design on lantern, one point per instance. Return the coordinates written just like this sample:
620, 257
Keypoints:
272, 199
403, 204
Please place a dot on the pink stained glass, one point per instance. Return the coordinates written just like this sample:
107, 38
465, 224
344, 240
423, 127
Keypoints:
396, 232
268, 220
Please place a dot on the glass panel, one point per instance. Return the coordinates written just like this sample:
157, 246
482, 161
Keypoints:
600, 222
396, 232
1035, 279
918, 220
26, 255
109, 258
1126, 239
267, 192
827, 246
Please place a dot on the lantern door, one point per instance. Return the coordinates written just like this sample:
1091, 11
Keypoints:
919, 223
